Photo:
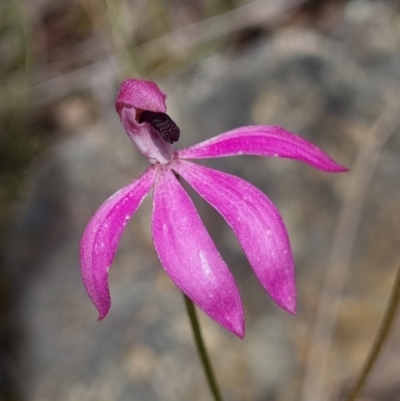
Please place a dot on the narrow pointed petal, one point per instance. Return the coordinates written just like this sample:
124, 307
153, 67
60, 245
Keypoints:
257, 224
143, 95
190, 257
101, 237
270, 141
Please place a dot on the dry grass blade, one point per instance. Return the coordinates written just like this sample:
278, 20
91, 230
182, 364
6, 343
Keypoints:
169, 45
221, 25
383, 333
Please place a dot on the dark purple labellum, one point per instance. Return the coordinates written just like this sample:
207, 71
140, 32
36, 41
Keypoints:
162, 123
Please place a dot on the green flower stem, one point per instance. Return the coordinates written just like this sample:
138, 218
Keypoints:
205, 360
383, 332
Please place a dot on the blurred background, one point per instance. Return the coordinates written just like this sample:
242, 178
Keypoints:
328, 70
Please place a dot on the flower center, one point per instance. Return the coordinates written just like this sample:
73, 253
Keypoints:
162, 123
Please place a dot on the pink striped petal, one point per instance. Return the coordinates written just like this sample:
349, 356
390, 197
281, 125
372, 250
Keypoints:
262, 141
190, 257
257, 224
101, 237
143, 95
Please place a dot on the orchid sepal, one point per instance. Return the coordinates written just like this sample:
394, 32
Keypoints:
102, 235
189, 256
262, 140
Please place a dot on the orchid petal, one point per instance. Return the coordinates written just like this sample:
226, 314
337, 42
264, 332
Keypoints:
143, 95
101, 237
262, 141
189, 256
257, 224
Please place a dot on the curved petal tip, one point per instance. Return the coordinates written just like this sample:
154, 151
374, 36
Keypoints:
226, 312
103, 314
238, 329
340, 168
288, 303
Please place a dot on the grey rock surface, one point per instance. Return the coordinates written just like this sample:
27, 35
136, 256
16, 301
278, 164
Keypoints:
316, 87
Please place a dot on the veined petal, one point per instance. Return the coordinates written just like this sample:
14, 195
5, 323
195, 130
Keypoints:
262, 141
257, 224
189, 256
101, 237
143, 95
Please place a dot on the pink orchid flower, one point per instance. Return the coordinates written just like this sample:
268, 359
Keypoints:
183, 245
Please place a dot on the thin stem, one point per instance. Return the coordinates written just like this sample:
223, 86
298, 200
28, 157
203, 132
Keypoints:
128, 53
205, 360
383, 332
